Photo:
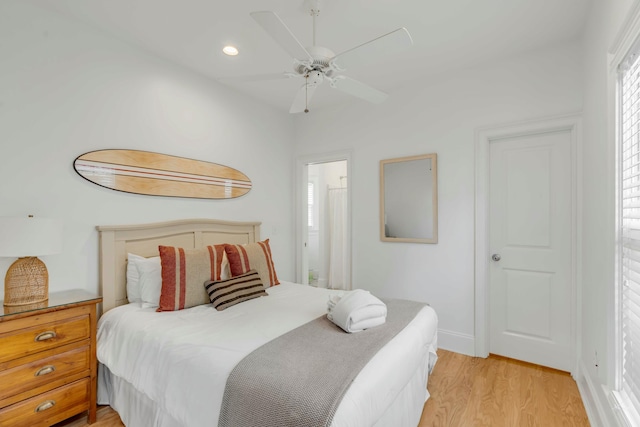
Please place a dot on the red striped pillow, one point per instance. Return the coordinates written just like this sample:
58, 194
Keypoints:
184, 272
253, 256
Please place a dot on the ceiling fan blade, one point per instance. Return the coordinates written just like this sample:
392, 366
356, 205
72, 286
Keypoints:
359, 89
302, 98
373, 49
274, 26
256, 77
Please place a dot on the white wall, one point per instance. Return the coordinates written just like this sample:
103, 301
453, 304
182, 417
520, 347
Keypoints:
438, 115
66, 89
598, 214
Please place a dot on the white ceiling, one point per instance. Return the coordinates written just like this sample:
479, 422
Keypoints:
447, 34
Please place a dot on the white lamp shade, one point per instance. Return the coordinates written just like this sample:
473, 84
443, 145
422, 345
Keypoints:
29, 236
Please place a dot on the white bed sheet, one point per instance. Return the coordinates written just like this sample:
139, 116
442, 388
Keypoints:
179, 361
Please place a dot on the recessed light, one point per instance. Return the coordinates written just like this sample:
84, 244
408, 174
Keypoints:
230, 50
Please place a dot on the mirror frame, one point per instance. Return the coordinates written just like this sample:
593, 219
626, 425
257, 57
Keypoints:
434, 177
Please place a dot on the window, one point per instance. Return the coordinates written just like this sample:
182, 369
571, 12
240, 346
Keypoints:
628, 193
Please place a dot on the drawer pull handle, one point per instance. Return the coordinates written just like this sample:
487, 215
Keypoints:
45, 370
43, 336
48, 404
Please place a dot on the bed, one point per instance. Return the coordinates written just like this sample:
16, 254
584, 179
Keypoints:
169, 369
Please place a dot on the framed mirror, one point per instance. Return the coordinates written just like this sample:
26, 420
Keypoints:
409, 199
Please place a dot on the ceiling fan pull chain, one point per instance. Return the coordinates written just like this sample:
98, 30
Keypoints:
306, 94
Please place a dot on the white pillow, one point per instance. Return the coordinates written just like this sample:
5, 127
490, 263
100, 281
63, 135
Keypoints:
150, 282
136, 264
133, 286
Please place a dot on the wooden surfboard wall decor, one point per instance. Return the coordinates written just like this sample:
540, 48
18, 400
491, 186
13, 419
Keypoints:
155, 174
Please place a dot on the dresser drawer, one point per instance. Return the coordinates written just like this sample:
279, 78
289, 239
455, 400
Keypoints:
55, 366
28, 336
48, 408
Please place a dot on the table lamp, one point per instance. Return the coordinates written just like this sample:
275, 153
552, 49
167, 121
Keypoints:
27, 279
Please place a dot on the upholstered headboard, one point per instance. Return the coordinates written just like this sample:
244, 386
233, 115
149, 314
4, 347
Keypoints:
143, 239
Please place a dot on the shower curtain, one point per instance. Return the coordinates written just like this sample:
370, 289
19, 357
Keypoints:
339, 265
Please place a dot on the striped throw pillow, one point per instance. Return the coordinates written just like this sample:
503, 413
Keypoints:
253, 256
225, 293
183, 273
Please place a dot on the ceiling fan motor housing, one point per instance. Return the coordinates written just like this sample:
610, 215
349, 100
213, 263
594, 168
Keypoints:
321, 57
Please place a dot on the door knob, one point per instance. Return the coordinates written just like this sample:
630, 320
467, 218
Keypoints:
495, 257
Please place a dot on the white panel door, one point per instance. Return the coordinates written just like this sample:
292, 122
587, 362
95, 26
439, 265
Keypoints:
530, 228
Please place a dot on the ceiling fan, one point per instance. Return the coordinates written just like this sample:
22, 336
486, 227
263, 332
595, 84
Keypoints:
316, 64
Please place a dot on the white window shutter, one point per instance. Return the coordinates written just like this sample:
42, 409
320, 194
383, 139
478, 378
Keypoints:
629, 219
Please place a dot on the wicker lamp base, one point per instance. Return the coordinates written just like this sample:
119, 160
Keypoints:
26, 282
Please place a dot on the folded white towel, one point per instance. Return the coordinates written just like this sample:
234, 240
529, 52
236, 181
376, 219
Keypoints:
370, 311
367, 323
356, 310
331, 304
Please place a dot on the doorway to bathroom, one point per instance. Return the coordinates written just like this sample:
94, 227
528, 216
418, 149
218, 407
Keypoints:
325, 232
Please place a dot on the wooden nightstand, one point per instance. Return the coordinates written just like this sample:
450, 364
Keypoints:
48, 368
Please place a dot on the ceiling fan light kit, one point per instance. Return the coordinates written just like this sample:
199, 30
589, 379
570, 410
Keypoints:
317, 63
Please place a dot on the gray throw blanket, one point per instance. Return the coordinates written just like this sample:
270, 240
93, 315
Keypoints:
299, 378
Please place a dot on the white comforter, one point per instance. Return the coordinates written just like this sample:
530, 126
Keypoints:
181, 360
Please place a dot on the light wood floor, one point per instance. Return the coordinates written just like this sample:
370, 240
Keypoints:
472, 392
500, 392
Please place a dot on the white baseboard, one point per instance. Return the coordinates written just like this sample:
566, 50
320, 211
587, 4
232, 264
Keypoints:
594, 402
456, 342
